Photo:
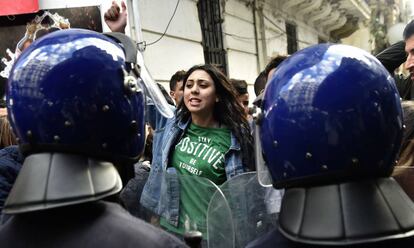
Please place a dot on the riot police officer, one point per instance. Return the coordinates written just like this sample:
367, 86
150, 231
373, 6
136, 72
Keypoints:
77, 109
331, 129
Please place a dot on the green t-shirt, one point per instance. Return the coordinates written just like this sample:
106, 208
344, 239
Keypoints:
199, 153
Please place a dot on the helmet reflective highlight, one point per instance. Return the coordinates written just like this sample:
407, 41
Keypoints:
330, 112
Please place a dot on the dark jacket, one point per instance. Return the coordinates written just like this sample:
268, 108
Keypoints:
391, 58
11, 161
96, 224
131, 193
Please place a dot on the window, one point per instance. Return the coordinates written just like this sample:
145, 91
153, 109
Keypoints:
292, 41
210, 21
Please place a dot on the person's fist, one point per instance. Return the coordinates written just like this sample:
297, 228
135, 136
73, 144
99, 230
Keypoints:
115, 18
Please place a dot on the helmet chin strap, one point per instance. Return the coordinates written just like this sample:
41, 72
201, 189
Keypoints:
50, 180
349, 213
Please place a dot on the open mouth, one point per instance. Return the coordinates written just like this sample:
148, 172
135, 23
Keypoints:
194, 102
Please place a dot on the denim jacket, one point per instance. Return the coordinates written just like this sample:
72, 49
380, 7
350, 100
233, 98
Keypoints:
161, 193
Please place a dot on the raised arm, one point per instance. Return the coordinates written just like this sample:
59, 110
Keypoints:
393, 56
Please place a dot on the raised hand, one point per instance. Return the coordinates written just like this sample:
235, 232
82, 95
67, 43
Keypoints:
115, 18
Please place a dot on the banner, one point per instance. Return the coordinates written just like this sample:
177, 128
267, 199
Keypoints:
17, 7
18, 31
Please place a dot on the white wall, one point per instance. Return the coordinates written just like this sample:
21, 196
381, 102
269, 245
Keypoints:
276, 39
307, 36
181, 47
239, 39
240, 43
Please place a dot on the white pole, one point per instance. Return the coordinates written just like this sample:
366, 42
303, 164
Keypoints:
135, 22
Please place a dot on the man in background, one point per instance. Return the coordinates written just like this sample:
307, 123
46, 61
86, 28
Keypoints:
176, 86
397, 54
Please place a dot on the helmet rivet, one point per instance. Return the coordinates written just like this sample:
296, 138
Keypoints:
308, 155
134, 126
395, 162
68, 124
324, 167
130, 84
105, 108
104, 145
404, 126
29, 134
355, 161
56, 138
275, 143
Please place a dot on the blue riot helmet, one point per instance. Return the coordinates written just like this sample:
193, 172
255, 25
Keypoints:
73, 91
330, 113
76, 105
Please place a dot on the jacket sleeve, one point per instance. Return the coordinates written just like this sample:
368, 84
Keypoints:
153, 116
393, 56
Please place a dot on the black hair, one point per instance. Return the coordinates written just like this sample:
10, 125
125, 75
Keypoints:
273, 63
227, 111
239, 85
177, 77
408, 30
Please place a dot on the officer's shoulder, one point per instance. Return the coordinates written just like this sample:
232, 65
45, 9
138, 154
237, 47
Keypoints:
137, 230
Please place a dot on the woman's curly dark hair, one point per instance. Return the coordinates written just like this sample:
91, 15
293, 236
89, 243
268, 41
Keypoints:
227, 111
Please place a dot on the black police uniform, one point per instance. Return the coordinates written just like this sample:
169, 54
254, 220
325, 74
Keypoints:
274, 239
369, 213
96, 224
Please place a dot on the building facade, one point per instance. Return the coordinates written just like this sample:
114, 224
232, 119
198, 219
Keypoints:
241, 36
